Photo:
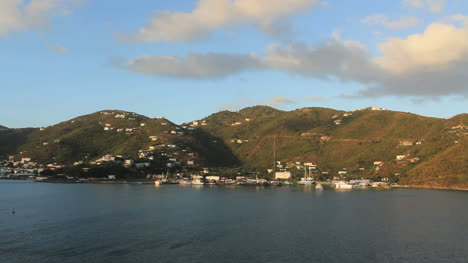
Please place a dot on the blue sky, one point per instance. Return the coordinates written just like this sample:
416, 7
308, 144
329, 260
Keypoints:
64, 58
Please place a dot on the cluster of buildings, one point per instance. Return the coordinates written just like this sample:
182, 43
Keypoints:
24, 167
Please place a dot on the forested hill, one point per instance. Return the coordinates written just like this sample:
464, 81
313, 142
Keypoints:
368, 142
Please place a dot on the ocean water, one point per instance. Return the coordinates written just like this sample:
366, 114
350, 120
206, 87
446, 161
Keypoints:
170, 223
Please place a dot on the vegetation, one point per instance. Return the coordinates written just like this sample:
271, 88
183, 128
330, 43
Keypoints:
244, 142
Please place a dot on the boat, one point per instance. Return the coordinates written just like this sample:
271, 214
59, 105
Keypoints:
157, 183
198, 180
275, 183
306, 180
343, 185
184, 181
319, 187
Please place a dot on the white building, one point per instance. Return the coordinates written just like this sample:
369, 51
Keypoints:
212, 177
283, 175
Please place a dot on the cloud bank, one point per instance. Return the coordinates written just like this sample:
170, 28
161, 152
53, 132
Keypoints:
209, 15
430, 64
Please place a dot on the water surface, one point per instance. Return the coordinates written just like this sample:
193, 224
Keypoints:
142, 223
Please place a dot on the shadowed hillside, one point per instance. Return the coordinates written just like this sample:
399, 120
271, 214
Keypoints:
120, 133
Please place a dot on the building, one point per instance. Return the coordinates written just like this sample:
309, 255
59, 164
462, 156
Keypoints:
283, 175
378, 163
212, 178
400, 157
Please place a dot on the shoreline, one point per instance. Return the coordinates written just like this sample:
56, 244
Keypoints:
429, 187
133, 181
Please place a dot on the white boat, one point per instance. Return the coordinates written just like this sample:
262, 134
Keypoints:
157, 183
343, 185
306, 180
198, 180
319, 187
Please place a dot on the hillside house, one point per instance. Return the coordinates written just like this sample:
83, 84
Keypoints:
378, 109
400, 157
310, 164
378, 163
406, 143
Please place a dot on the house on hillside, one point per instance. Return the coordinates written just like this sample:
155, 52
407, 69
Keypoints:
406, 143
378, 109
378, 163
400, 157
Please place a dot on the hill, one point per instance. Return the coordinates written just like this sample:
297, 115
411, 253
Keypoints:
351, 141
121, 133
371, 142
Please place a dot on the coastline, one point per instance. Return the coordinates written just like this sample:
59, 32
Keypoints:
133, 181
430, 187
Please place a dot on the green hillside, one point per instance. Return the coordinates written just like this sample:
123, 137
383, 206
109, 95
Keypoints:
431, 150
119, 133
361, 138
12, 139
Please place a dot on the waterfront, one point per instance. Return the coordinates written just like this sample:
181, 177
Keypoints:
170, 223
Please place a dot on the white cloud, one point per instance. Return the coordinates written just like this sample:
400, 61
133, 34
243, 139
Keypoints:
434, 6
402, 23
209, 15
278, 101
432, 64
22, 15
438, 48
58, 48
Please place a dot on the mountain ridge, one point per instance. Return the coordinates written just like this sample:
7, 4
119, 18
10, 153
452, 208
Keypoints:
333, 139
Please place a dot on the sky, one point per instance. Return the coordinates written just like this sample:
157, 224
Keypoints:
187, 59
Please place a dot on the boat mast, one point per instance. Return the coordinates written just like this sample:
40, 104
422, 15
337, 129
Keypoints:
274, 154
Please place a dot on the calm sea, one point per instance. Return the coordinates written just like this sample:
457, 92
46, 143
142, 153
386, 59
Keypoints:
142, 223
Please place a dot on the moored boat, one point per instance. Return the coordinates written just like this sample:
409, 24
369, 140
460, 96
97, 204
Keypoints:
319, 187
343, 185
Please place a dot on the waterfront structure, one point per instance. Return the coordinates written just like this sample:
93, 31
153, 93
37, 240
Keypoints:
283, 175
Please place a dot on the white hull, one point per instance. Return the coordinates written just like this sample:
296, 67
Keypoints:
343, 186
